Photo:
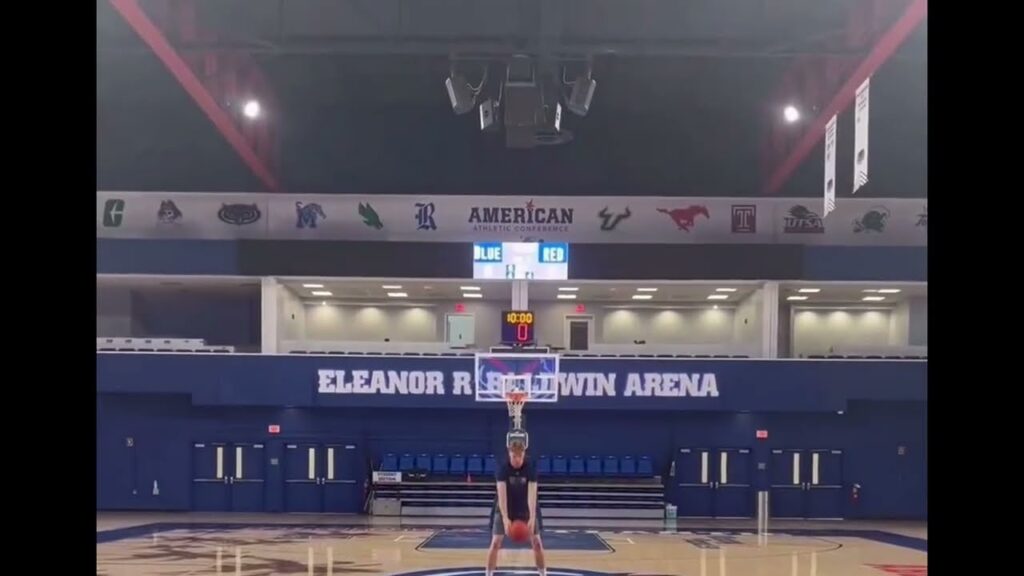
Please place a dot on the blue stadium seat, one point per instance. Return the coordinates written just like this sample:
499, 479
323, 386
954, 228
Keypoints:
627, 467
490, 466
475, 464
423, 462
389, 463
576, 466
644, 467
611, 466
594, 466
544, 465
457, 465
559, 466
440, 465
406, 463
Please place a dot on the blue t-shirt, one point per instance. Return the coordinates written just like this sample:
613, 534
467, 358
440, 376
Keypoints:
517, 487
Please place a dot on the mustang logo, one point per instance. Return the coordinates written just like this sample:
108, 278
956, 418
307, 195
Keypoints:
684, 217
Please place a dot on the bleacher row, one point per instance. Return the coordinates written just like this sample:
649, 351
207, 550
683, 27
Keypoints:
868, 357
159, 345
471, 354
577, 466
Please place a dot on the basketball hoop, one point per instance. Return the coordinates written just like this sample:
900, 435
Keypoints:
516, 401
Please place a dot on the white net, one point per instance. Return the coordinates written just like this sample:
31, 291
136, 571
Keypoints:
517, 393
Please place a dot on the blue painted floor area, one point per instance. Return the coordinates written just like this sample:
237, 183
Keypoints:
475, 539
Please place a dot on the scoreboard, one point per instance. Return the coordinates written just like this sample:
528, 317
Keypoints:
521, 260
517, 327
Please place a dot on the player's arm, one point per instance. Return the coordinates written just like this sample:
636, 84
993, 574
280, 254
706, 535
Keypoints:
503, 499
501, 477
531, 499
532, 486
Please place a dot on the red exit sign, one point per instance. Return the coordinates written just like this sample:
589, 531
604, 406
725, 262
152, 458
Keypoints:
274, 429
761, 434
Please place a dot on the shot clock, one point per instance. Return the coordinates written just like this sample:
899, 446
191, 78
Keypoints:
517, 327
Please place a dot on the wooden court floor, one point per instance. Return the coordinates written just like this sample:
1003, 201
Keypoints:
188, 545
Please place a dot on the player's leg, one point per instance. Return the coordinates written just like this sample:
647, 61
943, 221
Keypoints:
538, 545
497, 535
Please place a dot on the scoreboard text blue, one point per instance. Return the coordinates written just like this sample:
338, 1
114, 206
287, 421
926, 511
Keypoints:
554, 253
487, 252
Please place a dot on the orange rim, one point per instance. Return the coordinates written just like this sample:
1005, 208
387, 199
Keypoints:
516, 397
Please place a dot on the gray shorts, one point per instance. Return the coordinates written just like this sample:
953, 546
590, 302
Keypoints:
498, 527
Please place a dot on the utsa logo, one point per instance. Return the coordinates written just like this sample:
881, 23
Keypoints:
685, 217
306, 215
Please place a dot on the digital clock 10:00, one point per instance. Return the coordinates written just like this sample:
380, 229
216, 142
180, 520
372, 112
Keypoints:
519, 317
517, 327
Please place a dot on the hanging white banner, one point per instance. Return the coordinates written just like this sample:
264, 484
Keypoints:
830, 167
860, 135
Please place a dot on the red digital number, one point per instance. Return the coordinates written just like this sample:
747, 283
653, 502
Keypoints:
523, 332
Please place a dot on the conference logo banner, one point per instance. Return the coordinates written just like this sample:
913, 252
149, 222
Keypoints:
190, 216
573, 219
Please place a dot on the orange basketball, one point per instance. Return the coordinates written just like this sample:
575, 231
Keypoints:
519, 531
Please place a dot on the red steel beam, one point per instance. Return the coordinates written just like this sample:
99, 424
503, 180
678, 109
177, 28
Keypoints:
880, 53
151, 35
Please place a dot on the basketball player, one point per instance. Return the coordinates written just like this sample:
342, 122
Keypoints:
516, 500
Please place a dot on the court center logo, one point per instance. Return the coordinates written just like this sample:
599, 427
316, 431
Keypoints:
514, 572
